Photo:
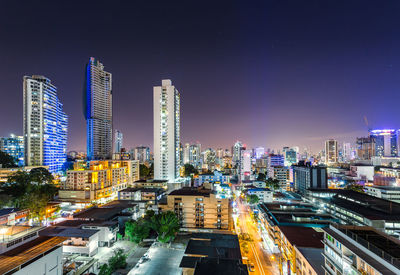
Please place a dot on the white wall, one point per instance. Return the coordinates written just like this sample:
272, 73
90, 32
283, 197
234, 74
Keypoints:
50, 264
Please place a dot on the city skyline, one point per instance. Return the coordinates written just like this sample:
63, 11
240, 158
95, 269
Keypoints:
268, 90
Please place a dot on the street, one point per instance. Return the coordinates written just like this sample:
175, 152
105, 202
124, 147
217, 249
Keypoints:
257, 255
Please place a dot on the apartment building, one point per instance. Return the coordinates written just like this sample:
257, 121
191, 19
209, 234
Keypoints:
199, 208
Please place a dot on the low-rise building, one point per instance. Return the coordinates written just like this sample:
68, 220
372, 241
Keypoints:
281, 173
214, 178
100, 183
78, 241
360, 250
263, 194
199, 208
141, 194
23, 251
391, 193
359, 209
213, 253
6, 172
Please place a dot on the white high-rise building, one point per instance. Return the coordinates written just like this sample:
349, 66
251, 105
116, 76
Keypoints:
98, 111
45, 124
167, 138
245, 164
259, 152
186, 153
118, 141
331, 151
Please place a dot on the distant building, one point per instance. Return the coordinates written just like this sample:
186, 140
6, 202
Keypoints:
118, 141
236, 149
195, 155
386, 142
213, 178
45, 125
199, 208
14, 146
142, 154
272, 161
331, 151
263, 194
359, 250
259, 152
98, 111
366, 147
306, 176
245, 165
167, 159
290, 156
282, 174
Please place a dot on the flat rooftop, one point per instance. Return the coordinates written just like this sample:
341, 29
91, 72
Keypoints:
303, 236
68, 232
12, 259
78, 223
11, 232
143, 189
388, 188
368, 206
314, 257
192, 191
207, 266
99, 213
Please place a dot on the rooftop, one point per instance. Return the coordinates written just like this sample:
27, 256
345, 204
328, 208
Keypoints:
99, 213
78, 223
192, 191
314, 257
388, 188
207, 266
68, 232
12, 259
143, 189
303, 236
6, 211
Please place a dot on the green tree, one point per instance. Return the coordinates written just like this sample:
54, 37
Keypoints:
252, 199
190, 170
7, 161
166, 224
136, 231
355, 187
261, 177
144, 171
117, 261
272, 183
40, 175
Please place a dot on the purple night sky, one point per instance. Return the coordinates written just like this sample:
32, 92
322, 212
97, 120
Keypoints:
270, 73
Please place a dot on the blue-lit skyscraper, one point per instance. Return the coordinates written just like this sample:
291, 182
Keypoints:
14, 146
98, 111
386, 142
45, 124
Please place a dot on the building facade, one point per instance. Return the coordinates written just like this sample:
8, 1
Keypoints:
118, 141
45, 124
101, 182
386, 142
98, 111
166, 132
199, 208
14, 146
306, 176
331, 151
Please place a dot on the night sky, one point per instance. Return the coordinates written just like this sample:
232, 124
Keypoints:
270, 73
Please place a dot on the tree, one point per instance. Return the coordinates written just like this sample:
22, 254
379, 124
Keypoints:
272, 183
136, 231
355, 187
40, 175
252, 199
166, 225
117, 261
190, 170
7, 161
261, 177
144, 171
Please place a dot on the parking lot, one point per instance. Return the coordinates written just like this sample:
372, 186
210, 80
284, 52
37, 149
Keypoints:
162, 260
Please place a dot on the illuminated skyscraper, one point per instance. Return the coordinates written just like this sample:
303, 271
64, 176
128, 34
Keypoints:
236, 149
195, 155
386, 142
142, 154
98, 111
118, 141
45, 124
14, 146
331, 151
166, 131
